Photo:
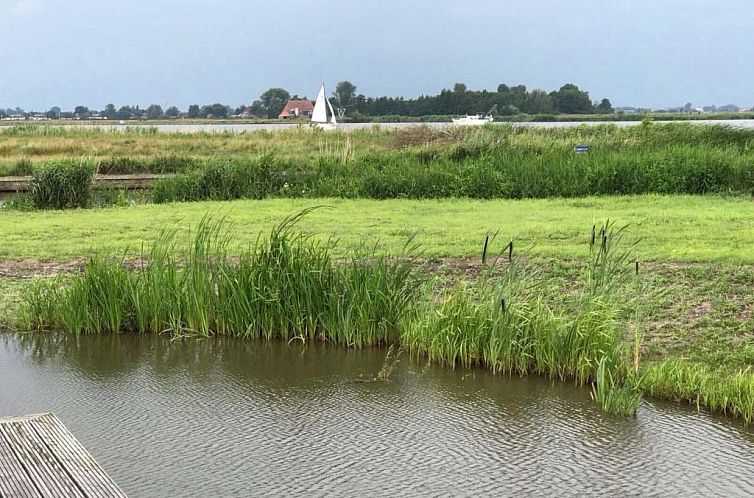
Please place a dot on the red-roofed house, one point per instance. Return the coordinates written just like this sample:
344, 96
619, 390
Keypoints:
297, 108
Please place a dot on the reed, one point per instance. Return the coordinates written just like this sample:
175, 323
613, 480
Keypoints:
512, 325
698, 385
67, 184
287, 286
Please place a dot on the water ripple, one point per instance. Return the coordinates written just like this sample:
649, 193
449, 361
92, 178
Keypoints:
227, 418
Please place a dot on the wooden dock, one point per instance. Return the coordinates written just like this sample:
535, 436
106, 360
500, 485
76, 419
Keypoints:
39, 457
140, 181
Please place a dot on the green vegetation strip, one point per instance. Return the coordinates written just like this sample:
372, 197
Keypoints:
418, 163
288, 286
672, 228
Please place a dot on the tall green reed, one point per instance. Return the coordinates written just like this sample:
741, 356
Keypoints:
286, 286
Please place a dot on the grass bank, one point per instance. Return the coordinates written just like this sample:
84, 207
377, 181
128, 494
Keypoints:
579, 324
288, 286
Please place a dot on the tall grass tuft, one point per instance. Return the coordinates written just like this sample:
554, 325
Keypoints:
511, 324
62, 185
287, 286
682, 381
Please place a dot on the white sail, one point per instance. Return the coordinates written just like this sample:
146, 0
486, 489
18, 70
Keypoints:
332, 113
319, 114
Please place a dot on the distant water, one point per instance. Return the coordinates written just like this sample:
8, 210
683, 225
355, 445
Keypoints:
238, 128
243, 418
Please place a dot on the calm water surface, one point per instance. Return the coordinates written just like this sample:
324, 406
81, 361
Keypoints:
239, 418
238, 128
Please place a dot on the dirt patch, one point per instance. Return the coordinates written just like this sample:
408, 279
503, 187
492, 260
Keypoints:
702, 309
26, 269
21, 269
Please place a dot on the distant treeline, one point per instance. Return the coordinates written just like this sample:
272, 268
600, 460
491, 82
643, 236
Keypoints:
506, 100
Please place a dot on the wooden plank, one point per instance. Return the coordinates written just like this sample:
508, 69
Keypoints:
47, 475
136, 181
39, 457
78, 462
14, 481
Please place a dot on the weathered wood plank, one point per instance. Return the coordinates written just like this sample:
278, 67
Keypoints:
135, 181
49, 477
14, 481
75, 459
39, 457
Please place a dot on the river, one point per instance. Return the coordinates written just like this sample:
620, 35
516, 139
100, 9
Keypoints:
238, 128
224, 417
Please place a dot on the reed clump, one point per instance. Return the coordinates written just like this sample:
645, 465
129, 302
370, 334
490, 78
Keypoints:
698, 385
62, 185
504, 162
512, 324
287, 286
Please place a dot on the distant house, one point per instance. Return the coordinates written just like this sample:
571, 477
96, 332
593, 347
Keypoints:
297, 108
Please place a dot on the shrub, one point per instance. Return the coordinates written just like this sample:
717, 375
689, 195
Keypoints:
227, 180
62, 185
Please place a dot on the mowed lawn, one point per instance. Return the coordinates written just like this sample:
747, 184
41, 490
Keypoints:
670, 228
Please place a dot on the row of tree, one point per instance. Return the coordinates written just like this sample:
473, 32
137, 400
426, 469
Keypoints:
505, 101
127, 112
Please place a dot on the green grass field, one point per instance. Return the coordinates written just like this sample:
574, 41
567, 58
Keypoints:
671, 228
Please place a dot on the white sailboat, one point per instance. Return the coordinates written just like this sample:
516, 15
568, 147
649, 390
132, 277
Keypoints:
319, 114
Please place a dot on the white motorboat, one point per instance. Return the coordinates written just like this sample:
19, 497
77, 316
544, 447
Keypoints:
319, 114
478, 120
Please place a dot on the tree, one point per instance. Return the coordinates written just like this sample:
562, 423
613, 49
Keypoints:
215, 110
193, 111
274, 101
125, 112
81, 112
538, 102
155, 111
605, 107
570, 100
54, 112
503, 88
172, 112
344, 95
110, 112
257, 109
459, 88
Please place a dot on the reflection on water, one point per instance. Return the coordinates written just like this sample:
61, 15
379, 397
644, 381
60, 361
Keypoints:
228, 417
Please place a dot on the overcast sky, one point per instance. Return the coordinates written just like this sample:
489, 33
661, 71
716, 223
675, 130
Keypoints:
178, 52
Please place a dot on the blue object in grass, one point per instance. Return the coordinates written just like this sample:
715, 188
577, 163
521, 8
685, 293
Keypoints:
581, 149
